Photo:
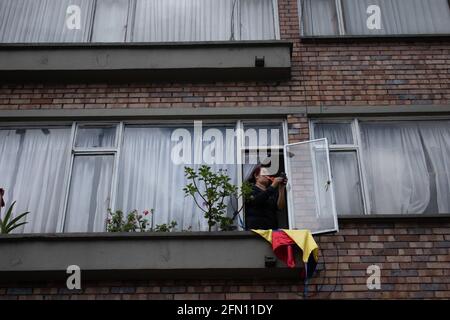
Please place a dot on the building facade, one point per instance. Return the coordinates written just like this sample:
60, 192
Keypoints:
90, 98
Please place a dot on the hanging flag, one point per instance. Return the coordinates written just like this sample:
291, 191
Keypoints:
283, 242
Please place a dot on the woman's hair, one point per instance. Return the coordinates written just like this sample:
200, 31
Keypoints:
256, 171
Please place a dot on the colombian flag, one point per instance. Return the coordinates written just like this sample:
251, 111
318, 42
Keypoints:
283, 242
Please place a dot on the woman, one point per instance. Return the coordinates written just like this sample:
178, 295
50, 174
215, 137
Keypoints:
268, 196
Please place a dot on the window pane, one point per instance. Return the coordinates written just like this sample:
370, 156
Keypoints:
203, 20
257, 20
110, 22
347, 185
310, 198
32, 171
89, 137
398, 16
336, 133
184, 20
396, 168
44, 21
319, 17
263, 135
89, 196
436, 139
151, 174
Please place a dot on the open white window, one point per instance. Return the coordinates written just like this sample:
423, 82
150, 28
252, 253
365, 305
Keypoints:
311, 203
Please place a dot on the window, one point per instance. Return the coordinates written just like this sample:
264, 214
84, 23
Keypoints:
33, 170
389, 167
93, 162
31, 21
67, 176
397, 17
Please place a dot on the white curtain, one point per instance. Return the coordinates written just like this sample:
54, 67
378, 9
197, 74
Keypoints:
347, 186
336, 133
396, 168
32, 171
95, 137
204, 20
398, 16
89, 196
149, 179
110, 21
42, 21
436, 137
259, 20
318, 17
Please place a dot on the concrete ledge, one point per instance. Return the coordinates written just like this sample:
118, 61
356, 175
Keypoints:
137, 256
328, 111
220, 112
220, 61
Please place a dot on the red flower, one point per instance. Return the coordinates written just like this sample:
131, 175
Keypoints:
2, 193
146, 212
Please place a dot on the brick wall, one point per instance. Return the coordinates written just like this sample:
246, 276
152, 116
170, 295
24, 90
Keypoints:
414, 259
356, 72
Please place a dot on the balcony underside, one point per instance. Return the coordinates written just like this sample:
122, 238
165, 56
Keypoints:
137, 62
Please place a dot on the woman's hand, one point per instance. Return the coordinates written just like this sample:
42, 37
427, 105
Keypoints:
277, 181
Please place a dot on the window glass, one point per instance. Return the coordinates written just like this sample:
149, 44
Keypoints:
110, 21
310, 198
45, 20
89, 196
56, 21
95, 137
347, 185
336, 133
318, 17
152, 176
407, 166
263, 135
397, 17
33, 166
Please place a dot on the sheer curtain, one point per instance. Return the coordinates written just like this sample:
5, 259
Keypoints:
204, 20
436, 137
336, 133
398, 16
347, 186
110, 21
259, 20
396, 168
318, 17
32, 171
149, 179
42, 21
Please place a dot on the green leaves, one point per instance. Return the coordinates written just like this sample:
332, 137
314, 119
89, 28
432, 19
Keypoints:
7, 224
133, 222
166, 227
210, 190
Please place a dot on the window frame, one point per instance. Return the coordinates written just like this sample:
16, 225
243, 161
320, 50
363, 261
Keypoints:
92, 151
357, 141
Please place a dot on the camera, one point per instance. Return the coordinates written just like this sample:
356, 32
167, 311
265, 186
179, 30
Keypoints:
280, 175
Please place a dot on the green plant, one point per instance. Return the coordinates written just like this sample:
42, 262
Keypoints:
132, 222
213, 189
166, 227
8, 224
